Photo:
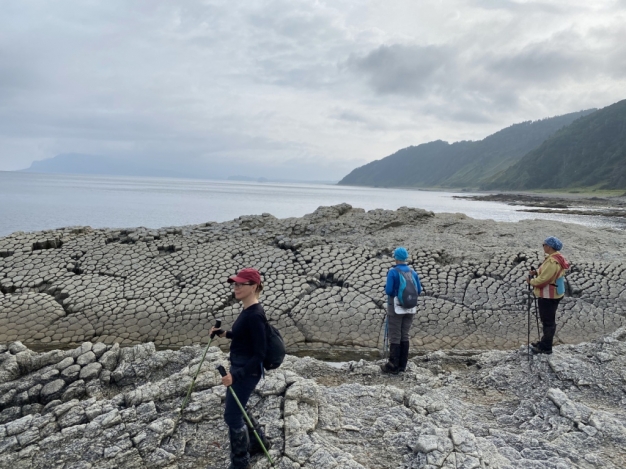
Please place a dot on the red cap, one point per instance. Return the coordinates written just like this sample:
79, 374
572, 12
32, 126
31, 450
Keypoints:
246, 275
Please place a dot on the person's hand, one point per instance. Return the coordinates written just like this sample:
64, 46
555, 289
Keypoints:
227, 380
217, 331
533, 272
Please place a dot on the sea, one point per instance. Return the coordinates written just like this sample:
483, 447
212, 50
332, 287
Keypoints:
35, 202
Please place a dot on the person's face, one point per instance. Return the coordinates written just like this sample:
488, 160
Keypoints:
243, 290
547, 249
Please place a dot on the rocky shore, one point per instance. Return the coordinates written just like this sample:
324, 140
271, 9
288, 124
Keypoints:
572, 204
100, 334
102, 406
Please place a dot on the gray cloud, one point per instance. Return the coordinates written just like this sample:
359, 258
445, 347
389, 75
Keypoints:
527, 6
399, 69
463, 81
276, 84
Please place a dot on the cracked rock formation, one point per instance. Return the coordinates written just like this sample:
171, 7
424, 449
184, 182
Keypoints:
324, 276
102, 406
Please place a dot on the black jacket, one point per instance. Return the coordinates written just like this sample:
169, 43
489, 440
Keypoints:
247, 349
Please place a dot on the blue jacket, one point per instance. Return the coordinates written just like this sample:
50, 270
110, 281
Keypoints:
393, 280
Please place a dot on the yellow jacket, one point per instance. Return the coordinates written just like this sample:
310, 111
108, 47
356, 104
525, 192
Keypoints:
553, 267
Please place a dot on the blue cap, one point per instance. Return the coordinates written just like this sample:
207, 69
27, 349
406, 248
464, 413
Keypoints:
400, 254
554, 242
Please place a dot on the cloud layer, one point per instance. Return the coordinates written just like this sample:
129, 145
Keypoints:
293, 88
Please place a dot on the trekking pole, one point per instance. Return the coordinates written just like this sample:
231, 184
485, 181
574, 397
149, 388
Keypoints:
535, 303
528, 321
218, 323
386, 338
245, 415
535, 300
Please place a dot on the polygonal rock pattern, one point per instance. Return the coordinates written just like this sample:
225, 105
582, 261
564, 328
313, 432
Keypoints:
456, 409
324, 277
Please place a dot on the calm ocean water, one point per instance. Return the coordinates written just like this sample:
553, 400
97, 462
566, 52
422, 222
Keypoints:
32, 202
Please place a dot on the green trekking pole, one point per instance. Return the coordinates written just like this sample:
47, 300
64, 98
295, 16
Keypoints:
218, 323
245, 415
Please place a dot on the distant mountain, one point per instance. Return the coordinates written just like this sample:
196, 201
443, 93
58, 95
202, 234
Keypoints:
463, 164
76, 163
216, 167
591, 152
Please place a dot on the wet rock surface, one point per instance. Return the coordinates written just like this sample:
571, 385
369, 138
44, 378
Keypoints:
572, 204
324, 276
454, 409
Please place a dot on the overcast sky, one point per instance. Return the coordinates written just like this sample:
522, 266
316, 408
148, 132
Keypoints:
308, 89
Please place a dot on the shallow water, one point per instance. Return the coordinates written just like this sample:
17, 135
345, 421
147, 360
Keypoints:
33, 202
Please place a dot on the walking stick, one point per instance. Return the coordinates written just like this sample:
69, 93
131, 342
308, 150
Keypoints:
218, 323
528, 303
534, 298
386, 338
245, 415
537, 318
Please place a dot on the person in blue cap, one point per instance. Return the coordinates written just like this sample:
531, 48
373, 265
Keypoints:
549, 288
402, 288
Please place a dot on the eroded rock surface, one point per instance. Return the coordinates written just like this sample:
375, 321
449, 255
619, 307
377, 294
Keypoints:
450, 409
324, 275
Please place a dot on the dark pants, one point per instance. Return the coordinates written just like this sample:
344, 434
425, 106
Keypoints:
399, 325
243, 389
547, 313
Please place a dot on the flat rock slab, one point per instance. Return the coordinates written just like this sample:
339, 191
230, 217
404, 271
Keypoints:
324, 276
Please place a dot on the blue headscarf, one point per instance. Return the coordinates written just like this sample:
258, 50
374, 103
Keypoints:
400, 254
554, 242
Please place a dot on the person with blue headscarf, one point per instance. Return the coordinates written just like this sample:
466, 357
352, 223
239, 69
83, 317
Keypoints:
549, 288
402, 285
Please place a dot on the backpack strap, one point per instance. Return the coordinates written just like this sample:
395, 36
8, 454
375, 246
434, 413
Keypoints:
552, 280
398, 271
556, 277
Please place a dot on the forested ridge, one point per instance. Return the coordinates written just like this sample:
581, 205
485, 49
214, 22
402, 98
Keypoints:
465, 164
591, 152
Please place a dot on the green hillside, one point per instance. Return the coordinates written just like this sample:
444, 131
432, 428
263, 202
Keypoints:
461, 164
591, 152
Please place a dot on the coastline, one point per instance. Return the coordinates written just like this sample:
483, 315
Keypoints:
124, 315
572, 204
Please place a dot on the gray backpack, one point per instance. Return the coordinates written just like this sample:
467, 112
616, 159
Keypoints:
407, 292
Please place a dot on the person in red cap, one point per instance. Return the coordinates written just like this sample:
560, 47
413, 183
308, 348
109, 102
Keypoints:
247, 351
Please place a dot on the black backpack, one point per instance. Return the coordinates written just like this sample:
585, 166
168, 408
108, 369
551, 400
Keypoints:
407, 291
275, 351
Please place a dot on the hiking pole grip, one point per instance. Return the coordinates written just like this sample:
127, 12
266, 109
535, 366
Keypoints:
222, 371
218, 324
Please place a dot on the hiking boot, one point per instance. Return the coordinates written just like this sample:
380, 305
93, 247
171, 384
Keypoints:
254, 447
239, 441
404, 356
391, 367
540, 349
